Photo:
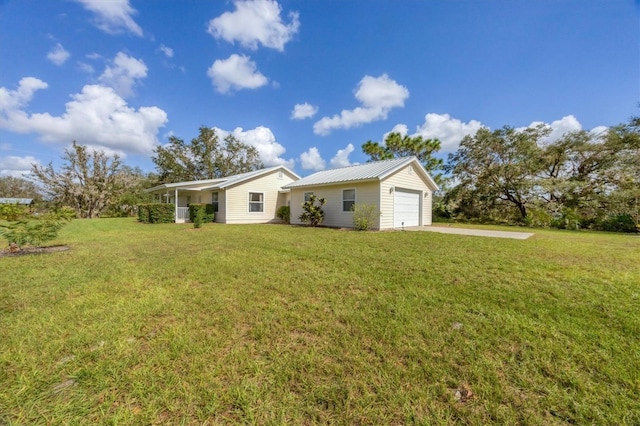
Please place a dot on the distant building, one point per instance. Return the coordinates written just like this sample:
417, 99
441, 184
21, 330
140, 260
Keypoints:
18, 201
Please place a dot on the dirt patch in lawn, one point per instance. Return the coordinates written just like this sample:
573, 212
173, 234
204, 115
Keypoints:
32, 250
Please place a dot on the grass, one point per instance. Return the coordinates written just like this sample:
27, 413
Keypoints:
271, 324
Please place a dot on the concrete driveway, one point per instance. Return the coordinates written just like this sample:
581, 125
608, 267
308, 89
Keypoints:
473, 232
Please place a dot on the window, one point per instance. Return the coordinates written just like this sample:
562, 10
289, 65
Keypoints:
188, 200
256, 202
307, 196
280, 174
348, 199
214, 201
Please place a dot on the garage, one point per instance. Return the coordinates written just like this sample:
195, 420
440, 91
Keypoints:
406, 208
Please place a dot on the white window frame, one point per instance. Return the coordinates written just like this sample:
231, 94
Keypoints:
348, 199
215, 201
306, 196
260, 203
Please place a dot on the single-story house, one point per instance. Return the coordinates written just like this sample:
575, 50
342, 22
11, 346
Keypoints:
400, 189
252, 197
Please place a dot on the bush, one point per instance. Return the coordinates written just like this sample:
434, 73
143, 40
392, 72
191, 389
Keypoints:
198, 219
143, 213
568, 219
156, 213
618, 223
284, 213
207, 212
313, 214
66, 213
538, 218
364, 216
12, 212
33, 232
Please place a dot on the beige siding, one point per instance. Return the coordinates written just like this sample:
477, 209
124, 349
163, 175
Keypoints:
366, 193
237, 199
220, 216
404, 178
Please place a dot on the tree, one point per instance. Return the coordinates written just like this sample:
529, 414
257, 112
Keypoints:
14, 187
88, 181
206, 157
396, 145
498, 167
135, 182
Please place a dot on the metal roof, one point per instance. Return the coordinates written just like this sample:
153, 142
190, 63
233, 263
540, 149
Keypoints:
220, 183
22, 201
376, 170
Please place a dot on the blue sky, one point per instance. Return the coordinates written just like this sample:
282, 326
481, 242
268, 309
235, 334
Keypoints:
305, 82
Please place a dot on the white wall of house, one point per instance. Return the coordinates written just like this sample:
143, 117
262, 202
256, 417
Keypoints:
366, 193
237, 198
380, 194
221, 215
405, 178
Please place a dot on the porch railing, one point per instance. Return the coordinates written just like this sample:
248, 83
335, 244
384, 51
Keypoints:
183, 214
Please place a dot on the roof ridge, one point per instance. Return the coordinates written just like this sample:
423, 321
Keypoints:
367, 163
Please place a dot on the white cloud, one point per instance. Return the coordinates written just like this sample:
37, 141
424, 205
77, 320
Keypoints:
398, 128
302, 111
15, 99
58, 55
311, 160
235, 73
83, 66
97, 116
113, 16
168, 52
341, 159
448, 130
599, 130
263, 139
255, 22
123, 74
381, 92
557, 128
16, 166
378, 96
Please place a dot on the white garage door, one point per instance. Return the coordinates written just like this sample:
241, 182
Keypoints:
406, 208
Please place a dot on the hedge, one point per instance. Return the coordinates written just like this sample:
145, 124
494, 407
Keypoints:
209, 214
156, 213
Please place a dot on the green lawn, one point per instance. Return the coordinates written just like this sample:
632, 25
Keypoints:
271, 324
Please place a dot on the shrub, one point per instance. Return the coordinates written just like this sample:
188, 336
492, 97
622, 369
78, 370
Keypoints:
13, 212
568, 219
207, 212
33, 232
284, 213
539, 218
66, 213
618, 223
364, 216
199, 218
143, 213
313, 214
156, 213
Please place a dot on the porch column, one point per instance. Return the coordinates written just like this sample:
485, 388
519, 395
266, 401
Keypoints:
176, 205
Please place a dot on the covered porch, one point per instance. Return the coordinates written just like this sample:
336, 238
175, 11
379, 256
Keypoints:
180, 198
